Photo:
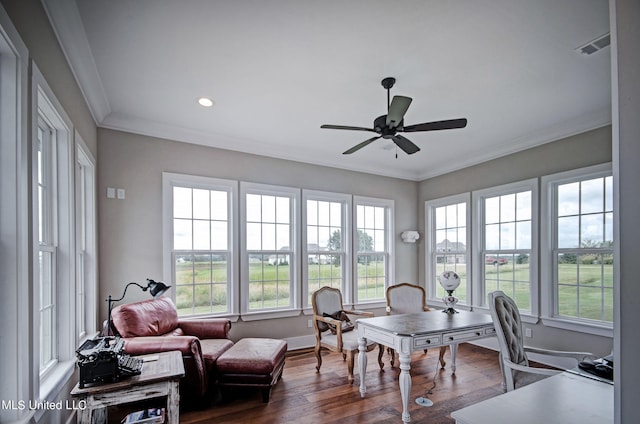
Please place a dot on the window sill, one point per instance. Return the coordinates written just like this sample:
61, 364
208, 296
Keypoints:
56, 380
579, 326
255, 316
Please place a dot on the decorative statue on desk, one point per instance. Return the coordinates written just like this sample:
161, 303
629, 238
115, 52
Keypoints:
450, 281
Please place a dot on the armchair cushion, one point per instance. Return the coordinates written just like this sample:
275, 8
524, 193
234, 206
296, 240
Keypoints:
212, 349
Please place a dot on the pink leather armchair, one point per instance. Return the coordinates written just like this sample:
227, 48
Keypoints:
153, 326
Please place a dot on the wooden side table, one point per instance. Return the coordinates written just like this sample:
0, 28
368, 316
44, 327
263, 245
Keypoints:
159, 378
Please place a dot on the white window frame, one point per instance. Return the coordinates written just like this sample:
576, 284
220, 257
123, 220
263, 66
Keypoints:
432, 282
47, 213
171, 180
345, 252
389, 252
293, 309
547, 248
86, 242
478, 263
45, 105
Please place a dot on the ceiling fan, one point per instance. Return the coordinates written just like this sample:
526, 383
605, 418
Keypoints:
388, 126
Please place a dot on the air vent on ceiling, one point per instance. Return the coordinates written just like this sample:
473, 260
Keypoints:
595, 45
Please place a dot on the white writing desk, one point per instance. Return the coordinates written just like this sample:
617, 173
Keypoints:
565, 398
408, 332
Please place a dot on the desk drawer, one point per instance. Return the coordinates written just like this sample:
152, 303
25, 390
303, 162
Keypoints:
425, 342
459, 336
489, 331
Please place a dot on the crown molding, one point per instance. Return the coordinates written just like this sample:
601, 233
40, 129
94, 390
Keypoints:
67, 25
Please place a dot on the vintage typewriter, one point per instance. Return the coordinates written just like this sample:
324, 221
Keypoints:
102, 360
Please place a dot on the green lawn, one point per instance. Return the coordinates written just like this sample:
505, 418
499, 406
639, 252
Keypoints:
208, 294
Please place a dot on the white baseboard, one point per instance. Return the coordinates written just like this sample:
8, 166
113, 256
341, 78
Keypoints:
301, 342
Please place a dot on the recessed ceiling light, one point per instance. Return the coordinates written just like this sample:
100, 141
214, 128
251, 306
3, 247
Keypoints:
205, 101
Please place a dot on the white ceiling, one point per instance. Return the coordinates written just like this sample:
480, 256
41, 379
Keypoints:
278, 69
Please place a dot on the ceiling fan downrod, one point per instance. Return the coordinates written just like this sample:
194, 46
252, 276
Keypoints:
387, 83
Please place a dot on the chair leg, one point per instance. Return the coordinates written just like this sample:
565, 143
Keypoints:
318, 357
380, 353
392, 352
350, 361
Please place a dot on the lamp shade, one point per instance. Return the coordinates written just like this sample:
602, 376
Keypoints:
449, 280
157, 288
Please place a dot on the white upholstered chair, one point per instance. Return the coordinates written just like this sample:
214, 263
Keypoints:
516, 370
328, 301
408, 298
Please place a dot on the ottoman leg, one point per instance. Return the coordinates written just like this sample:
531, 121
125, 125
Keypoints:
266, 394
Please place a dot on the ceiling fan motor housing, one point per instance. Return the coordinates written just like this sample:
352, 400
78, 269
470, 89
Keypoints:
380, 126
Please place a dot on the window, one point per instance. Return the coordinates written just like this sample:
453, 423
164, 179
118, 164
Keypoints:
47, 208
448, 222
54, 235
507, 234
373, 248
579, 249
269, 256
200, 234
86, 246
325, 242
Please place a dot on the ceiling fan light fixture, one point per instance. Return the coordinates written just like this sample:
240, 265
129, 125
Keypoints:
205, 102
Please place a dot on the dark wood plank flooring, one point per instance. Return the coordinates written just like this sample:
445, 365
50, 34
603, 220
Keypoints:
303, 396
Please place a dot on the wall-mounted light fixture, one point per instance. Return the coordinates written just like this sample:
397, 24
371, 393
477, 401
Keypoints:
410, 236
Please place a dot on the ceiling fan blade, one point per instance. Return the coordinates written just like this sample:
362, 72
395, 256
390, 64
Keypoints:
397, 109
405, 144
361, 145
437, 125
346, 127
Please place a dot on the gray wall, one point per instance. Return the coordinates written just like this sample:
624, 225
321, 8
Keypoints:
590, 148
130, 230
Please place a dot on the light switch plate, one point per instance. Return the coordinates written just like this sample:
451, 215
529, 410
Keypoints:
111, 193
120, 193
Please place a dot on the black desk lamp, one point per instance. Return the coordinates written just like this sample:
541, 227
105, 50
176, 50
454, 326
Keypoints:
156, 288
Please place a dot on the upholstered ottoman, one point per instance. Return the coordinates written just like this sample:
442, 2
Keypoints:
252, 362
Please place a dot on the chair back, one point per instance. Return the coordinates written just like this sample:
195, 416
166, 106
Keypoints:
506, 320
405, 298
326, 300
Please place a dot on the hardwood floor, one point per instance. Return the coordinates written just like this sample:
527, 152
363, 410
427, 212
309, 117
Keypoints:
303, 396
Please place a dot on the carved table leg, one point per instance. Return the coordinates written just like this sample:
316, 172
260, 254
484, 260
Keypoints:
405, 384
454, 351
362, 363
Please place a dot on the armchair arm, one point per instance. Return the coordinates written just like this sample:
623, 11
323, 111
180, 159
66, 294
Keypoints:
360, 313
212, 328
578, 356
532, 370
338, 326
328, 320
188, 345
